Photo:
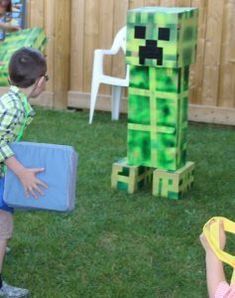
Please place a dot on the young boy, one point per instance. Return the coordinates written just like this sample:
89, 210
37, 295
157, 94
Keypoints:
27, 74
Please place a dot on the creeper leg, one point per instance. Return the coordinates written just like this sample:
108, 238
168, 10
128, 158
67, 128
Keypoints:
173, 184
130, 178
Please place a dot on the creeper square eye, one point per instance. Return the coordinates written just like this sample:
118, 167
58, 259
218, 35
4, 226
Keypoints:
164, 34
140, 32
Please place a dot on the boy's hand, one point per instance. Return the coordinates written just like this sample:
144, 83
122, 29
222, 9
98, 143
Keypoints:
32, 185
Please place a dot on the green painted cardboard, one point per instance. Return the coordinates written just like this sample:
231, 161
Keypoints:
34, 38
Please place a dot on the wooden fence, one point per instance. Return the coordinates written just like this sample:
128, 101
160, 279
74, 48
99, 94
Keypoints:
76, 27
55, 17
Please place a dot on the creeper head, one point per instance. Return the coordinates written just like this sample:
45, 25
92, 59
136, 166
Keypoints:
161, 37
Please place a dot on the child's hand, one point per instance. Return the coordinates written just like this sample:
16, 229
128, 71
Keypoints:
12, 28
31, 183
205, 243
222, 237
15, 28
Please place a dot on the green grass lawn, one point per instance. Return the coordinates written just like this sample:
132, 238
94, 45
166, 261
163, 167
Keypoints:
114, 244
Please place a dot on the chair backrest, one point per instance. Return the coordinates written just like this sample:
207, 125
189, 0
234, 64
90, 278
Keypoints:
120, 40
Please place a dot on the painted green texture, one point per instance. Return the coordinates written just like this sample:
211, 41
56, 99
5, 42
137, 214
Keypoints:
157, 117
34, 38
129, 178
173, 185
178, 49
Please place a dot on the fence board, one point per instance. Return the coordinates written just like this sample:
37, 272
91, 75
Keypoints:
91, 39
77, 45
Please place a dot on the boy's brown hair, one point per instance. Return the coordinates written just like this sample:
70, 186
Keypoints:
26, 66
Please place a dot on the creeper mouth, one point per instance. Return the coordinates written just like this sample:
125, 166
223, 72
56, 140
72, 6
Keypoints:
150, 51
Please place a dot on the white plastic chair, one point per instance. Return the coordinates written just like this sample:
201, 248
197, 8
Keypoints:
99, 77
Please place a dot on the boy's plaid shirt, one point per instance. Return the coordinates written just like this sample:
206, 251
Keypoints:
13, 114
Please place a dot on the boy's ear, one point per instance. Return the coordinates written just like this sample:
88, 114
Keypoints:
40, 82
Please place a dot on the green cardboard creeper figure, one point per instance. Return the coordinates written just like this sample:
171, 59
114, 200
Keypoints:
161, 45
33, 37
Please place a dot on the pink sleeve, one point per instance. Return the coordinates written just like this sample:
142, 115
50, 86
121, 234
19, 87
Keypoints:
224, 290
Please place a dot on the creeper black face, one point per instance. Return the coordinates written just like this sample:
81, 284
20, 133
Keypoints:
151, 49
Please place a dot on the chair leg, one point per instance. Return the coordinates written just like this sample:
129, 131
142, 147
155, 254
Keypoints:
94, 93
116, 97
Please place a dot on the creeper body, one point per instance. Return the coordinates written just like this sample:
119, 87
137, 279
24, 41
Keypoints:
161, 45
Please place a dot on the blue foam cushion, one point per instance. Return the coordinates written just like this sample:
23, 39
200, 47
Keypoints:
60, 164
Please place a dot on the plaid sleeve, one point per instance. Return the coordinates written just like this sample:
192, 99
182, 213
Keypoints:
7, 120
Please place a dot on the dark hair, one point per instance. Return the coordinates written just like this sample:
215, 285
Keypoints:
26, 66
9, 7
